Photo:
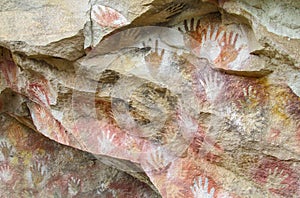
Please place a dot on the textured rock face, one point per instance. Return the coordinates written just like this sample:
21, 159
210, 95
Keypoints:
34, 166
156, 98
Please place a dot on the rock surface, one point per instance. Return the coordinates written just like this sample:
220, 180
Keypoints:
156, 98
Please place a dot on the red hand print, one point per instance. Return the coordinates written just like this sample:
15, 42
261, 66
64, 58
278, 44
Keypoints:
228, 50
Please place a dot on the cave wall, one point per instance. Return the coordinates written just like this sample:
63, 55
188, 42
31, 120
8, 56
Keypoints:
156, 98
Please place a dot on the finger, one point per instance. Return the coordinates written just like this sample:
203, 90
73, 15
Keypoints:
218, 33
97, 15
235, 39
281, 172
206, 184
250, 93
230, 38
244, 92
101, 9
200, 182
202, 83
156, 45
215, 77
192, 25
275, 171
224, 38
198, 24
212, 191
209, 78
212, 32
186, 25
162, 53
193, 189
204, 35
179, 29
211, 28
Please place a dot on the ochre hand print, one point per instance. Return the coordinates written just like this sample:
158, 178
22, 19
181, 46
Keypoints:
154, 58
228, 50
107, 17
192, 34
211, 40
8, 68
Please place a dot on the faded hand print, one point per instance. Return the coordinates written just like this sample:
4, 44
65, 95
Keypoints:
74, 186
157, 162
6, 150
275, 179
40, 94
38, 172
105, 141
5, 173
154, 58
212, 85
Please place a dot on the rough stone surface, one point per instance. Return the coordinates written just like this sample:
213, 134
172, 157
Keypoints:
156, 98
34, 166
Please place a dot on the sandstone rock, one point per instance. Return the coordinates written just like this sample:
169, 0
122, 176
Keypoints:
202, 97
38, 167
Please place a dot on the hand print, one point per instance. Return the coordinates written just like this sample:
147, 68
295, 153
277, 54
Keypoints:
209, 42
211, 33
172, 10
8, 67
121, 114
5, 173
275, 179
28, 193
250, 98
6, 150
228, 50
192, 34
129, 37
107, 17
165, 14
38, 173
174, 191
157, 162
39, 93
192, 30
187, 124
74, 186
102, 187
154, 58
200, 191
212, 86
106, 141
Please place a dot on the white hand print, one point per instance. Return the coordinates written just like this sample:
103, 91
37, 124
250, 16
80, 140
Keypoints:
209, 45
5, 173
212, 86
74, 186
250, 94
40, 94
157, 161
200, 191
275, 179
102, 187
106, 141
